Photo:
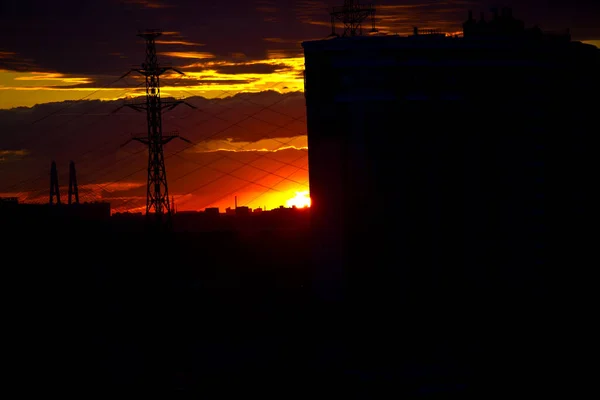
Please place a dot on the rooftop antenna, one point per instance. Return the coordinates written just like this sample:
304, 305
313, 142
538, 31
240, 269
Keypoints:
157, 195
352, 14
54, 189
73, 188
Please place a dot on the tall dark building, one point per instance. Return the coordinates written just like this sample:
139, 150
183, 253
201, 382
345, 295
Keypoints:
456, 154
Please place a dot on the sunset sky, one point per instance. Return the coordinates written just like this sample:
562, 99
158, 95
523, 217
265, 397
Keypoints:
243, 67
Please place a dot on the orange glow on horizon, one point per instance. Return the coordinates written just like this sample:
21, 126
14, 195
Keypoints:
301, 200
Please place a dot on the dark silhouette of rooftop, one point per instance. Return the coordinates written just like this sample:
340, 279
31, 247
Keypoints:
504, 24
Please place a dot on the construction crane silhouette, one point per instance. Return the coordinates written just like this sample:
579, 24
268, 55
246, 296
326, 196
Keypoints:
157, 194
352, 14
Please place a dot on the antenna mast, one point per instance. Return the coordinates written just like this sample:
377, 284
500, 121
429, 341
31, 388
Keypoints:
352, 14
157, 195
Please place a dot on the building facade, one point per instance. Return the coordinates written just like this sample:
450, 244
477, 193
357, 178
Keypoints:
431, 150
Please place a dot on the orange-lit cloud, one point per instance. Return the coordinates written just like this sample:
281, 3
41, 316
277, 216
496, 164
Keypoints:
187, 54
206, 76
111, 187
41, 77
12, 155
262, 145
180, 42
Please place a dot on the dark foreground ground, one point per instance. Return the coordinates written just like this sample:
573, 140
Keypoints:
219, 314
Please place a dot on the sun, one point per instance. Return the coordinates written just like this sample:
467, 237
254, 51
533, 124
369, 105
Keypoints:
301, 200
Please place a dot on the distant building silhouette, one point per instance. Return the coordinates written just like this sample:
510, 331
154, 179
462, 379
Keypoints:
230, 211
243, 210
9, 201
470, 142
212, 211
37, 218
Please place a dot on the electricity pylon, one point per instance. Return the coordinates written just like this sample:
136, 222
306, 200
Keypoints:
352, 14
157, 195
73, 188
54, 188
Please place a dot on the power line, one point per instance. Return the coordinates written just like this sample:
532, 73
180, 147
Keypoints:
271, 188
255, 117
125, 92
214, 134
201, 166
249, 164
76, 101
103, 187
205, 138
95, 148
55, 138
264, 136
29, 180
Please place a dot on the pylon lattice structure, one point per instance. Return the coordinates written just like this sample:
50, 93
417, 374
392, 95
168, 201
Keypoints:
54, 188
352, 14
73, 188
157, 195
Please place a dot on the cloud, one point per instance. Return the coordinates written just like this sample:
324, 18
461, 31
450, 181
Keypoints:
52, 77
179, 42
255, 68
261, 145
7, 156
187, 54
149, 3
11, 61
223, 81
80, 45
206, 77
114, 186
277, 54
281, 40
269, 9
